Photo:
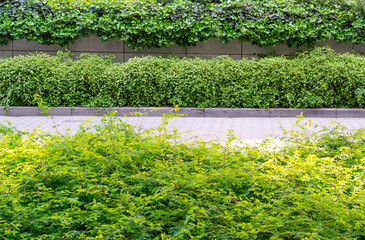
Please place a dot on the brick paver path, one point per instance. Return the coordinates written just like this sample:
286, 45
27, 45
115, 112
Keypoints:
207, 128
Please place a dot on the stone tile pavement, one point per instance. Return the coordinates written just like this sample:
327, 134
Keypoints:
252, 129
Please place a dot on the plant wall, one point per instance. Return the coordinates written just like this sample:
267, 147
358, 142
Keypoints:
265, 23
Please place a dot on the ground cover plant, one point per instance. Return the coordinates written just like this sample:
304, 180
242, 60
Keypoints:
320, 78
146, 24
111, 181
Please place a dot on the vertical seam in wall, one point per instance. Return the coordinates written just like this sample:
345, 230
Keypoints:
123, 51
186, 52
241, 49
69, 49
12, 48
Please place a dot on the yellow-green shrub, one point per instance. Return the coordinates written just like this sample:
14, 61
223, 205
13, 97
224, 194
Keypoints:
112, 183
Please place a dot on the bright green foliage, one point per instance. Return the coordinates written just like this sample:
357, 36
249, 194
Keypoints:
111, 182
359, 6
320, 78
264, 22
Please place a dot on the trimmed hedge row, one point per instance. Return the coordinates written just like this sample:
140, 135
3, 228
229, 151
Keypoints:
264, 22
320, 78
108, 182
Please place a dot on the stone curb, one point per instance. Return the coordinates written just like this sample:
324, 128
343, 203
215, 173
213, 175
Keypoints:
189, 112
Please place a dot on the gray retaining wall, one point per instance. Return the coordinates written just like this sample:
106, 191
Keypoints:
210, 49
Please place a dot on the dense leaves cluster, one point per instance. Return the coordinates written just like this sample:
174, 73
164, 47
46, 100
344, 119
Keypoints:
320, 78
264, 22
110, 182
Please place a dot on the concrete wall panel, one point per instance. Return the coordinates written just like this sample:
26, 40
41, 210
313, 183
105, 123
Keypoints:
7, 47
24, 45
173, 49
338, 47
281, 49
208, 50
94, 44
214, 46
23, 53
6, 54
359, 48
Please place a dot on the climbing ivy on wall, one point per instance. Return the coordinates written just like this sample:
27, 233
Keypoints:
265, 23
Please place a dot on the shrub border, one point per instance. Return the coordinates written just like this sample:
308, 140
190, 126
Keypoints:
190, 112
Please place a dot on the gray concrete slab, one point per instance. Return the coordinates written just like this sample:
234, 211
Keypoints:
336, 46
2, 111
23, 111
197, 112
235, 112
154, 112
4, 54
214, 46
34, 111
359, 48
280, 49
322, 112
157, 112
25, 45
173, 49
24, 53
60, 111
7, 47
95, 44
191, 112
80, 111
283, 112
207, 50
350, 113
121, 111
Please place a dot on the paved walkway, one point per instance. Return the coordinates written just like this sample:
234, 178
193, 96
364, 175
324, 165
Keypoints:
207, 128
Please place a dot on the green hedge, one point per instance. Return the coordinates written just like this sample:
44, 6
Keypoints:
320, 78
264, 22
111, 183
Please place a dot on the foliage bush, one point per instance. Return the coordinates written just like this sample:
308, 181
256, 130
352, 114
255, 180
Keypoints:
264, 22
320, 78
113, 182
